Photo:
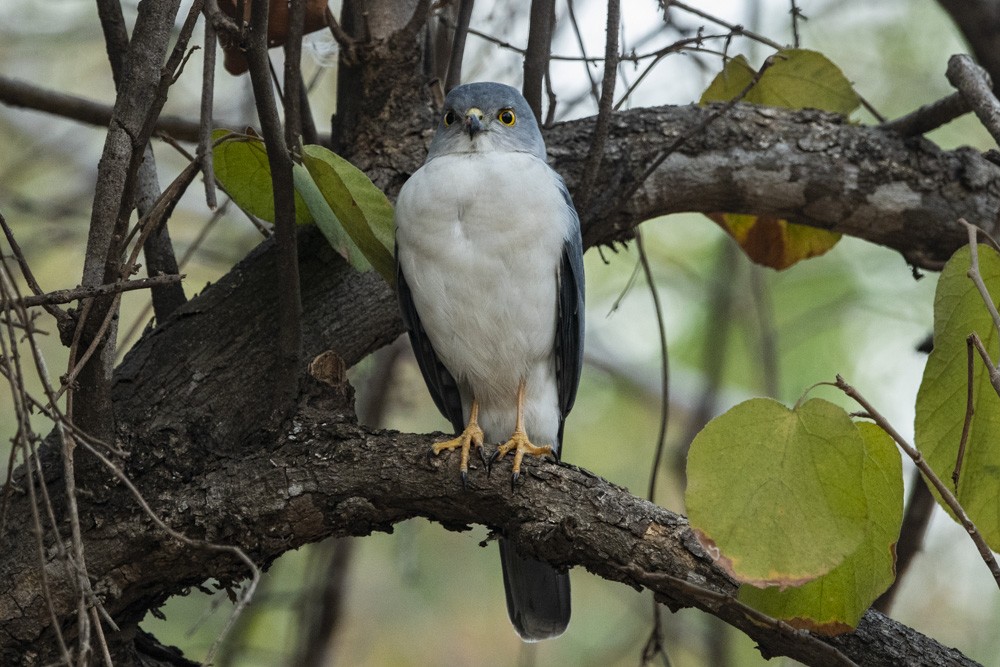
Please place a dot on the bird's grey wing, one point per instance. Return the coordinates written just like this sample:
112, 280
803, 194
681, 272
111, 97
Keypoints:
569, 316
440, 382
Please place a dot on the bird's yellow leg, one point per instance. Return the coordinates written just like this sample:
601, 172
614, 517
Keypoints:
471, 435
519, 442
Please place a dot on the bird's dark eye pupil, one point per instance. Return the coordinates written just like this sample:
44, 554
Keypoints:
449, 118
507, 117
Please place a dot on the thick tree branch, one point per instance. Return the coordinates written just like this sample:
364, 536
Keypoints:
202, 454
807, 166
325, 475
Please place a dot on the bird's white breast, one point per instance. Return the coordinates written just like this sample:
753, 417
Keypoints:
480, 240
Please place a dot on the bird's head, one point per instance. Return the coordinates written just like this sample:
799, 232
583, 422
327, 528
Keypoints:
486, 117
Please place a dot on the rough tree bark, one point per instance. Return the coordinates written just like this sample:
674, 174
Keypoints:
201, 450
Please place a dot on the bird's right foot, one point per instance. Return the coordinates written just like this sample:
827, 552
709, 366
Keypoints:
472, 435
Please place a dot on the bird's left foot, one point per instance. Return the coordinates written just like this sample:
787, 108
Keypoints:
520, 445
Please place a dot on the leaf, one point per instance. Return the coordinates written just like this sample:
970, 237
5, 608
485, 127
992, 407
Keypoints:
362, 209
774, 242
835, 602
797, 79
241, 165
959, 310
773, 493
325, 219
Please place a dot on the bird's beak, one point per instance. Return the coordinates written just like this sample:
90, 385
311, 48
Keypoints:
473, 121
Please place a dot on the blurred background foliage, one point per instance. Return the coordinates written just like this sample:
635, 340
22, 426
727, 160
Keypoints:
423, 595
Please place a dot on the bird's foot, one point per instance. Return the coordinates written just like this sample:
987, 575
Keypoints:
520, 445
472, 435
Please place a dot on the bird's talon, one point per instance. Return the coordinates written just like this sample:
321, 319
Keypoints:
513, 480
465, 480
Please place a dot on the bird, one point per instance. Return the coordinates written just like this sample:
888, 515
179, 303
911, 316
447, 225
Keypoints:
490, 281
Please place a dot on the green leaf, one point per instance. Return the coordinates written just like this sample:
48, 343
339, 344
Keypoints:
959, 310
362, 209
325, 219
241, 165
835, 602
798, 79
774, 494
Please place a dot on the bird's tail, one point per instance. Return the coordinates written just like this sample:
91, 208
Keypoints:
537, 595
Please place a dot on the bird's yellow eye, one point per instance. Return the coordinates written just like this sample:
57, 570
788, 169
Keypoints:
507, 117
449, 118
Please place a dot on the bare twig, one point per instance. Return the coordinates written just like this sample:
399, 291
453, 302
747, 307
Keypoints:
682, 139
289, 302
346, 42
797, 16
24, 439
157, 248
974, 83
991, 368
734, 28
29, 96
454, 76
974, 273
77, 293
729, 608
603, 123
970, 407
929, 116
943, 491
664, 366
205, 121
536, 56
583, 51
655, 645
63, 319
676, 47
919, 508
247, 595
293, 76
764, 311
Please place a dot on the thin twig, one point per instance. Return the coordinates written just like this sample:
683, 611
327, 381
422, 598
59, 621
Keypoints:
929, 116
602, 125
919, 508
974, 273
454, 76
62, 317
536, 56
191, 542
346, 42
717, 112
676, 47
992, 371
78, 293
664, 366
24, 438
293, 76
583, 51
717, 601
946, 495
797, 16
734, 28
289, 337
970, 408
205, 121
764, 311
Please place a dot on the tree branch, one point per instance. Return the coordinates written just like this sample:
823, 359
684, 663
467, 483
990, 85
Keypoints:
325, 475
899, 192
